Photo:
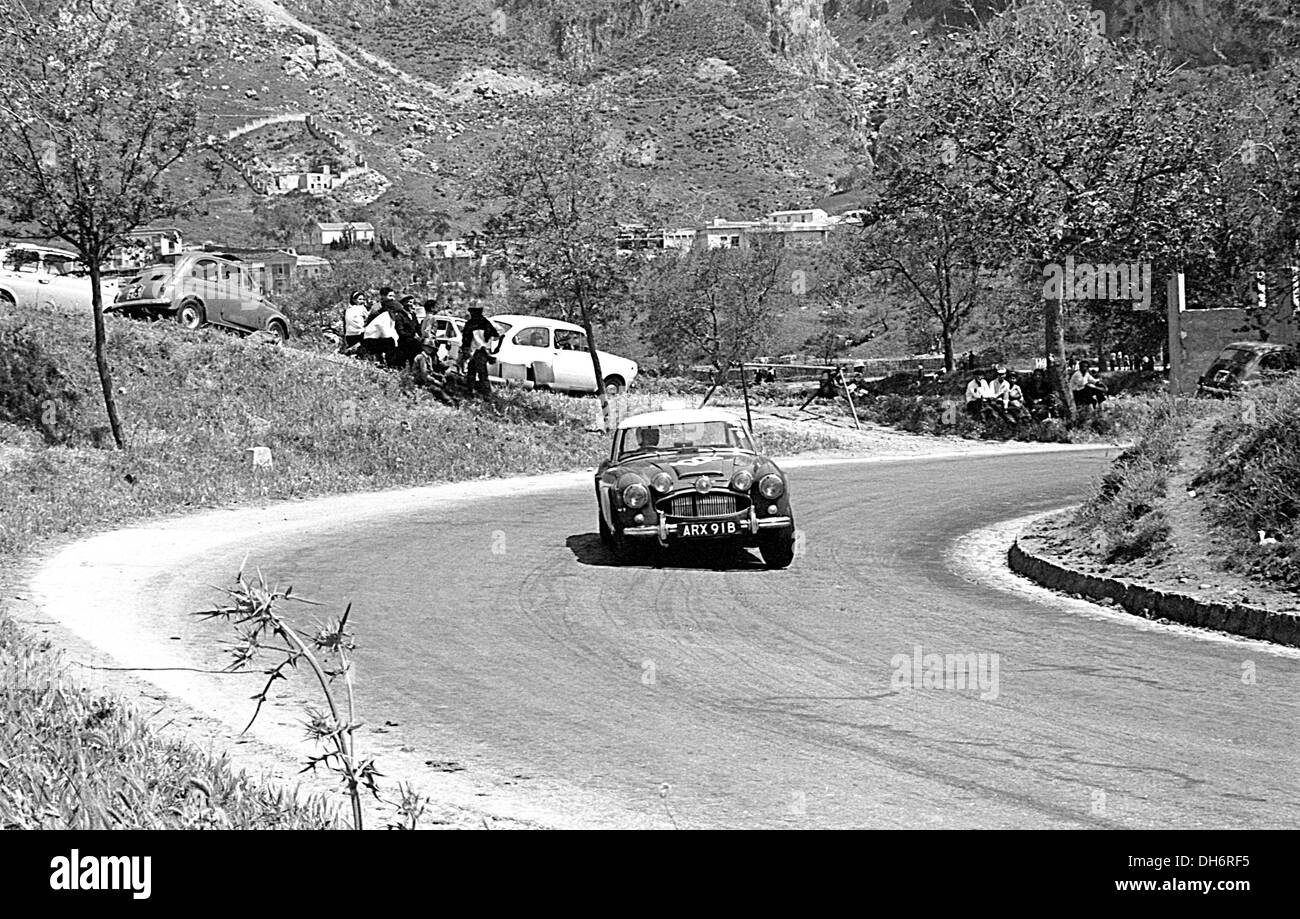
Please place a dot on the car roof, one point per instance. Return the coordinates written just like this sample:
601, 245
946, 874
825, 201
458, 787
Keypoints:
678, 416
517, 319
1259, 346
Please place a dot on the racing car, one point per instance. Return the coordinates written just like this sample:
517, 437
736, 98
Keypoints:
692, 476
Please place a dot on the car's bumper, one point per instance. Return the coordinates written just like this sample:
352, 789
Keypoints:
751, 525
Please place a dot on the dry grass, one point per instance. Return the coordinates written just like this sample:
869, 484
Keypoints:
73, 759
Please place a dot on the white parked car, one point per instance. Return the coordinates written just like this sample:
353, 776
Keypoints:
32, 275
551, 354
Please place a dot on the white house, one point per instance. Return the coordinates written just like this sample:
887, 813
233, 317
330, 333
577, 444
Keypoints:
326, 234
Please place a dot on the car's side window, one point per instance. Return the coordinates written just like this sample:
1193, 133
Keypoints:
204, 270
1279, 362
534, 337
569, 340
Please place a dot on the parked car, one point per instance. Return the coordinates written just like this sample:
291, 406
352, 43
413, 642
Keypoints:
692, 475
446, 328
202, 288
1243, 365
32, 275
551, 354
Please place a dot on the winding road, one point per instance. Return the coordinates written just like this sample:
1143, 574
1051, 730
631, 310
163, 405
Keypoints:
498, 641
508, 667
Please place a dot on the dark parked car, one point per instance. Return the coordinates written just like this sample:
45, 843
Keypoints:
692, 476
1246, 364
201, 288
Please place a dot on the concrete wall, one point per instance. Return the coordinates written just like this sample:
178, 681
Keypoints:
1197, 336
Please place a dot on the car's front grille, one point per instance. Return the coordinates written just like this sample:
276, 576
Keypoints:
721, 504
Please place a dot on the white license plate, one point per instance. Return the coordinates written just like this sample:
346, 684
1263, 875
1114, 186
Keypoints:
711, 528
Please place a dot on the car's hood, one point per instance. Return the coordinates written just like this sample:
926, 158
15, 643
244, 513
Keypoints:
687, 467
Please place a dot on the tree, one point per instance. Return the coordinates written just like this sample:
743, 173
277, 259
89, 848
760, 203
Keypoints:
716, 305
928, 255
95, 108
1054, 143
553, 180
282, 220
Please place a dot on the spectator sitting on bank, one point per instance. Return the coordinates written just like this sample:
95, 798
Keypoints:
354, 321
430, 372
1013, 400
826, 389
980, 397
1088, 391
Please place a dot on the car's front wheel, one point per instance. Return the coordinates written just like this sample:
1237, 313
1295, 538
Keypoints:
777, 548
278, 329
606, 534
614, 385
190, 315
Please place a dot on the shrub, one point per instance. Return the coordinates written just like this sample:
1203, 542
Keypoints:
35, 391
1123, 519
1253, 469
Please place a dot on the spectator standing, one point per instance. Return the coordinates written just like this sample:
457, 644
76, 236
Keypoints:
379, 340
475, 339
408, 332
354, 320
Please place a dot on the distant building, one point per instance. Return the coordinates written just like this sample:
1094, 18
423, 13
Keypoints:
797, 229
327, 234
146, 246
725, 234
276, 271
449, 248
320, 182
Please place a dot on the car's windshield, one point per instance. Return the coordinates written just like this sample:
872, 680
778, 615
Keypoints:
1235, 356
696, 435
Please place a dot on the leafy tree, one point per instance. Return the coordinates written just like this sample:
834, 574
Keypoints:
719, 306
1052, 142
552, 180
283, 220
95, 108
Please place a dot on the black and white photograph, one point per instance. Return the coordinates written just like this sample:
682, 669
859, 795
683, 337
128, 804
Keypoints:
873, 415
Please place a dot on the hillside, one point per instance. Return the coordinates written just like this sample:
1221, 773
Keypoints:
722, 107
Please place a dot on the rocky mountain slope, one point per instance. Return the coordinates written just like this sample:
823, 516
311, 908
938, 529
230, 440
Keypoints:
723, 107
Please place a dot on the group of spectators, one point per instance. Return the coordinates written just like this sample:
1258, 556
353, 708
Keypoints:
997, 394
400, 333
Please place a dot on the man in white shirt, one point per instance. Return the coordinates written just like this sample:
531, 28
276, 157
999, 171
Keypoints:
979, 396
1086, 388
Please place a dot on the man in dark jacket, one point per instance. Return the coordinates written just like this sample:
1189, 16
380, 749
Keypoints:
475, 340
408, 332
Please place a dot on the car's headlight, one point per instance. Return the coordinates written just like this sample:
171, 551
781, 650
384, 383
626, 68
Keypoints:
742, 481
636, 495
662, 482
771, 486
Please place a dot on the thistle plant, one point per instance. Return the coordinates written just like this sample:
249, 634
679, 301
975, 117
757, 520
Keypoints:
253, 611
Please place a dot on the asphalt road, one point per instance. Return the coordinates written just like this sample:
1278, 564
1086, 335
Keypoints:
499, 638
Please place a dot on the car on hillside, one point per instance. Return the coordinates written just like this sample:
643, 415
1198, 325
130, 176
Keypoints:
552, 354
692, 476
33, 275
1244, 365
202, 288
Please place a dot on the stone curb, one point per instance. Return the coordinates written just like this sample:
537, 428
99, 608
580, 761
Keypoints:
1150, 603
